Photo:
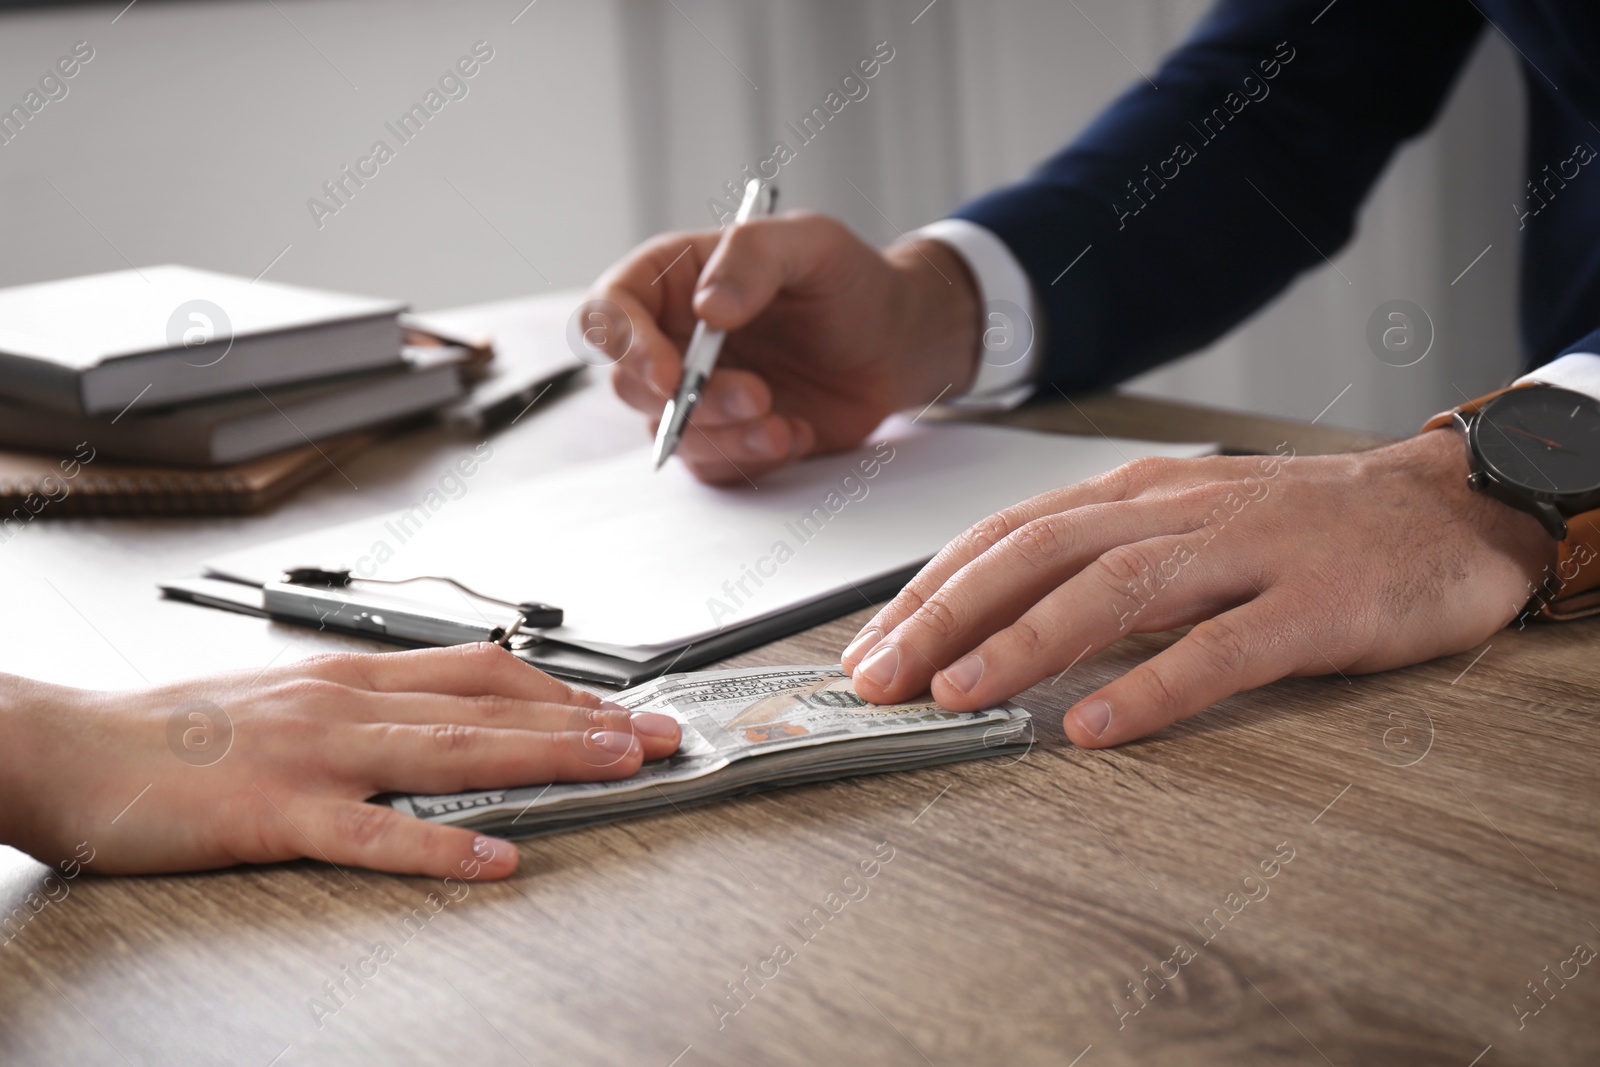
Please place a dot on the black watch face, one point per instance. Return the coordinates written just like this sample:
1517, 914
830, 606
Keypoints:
1541, 439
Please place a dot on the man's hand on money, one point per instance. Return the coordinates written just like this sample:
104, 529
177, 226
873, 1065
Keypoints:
239, 769
1283, 566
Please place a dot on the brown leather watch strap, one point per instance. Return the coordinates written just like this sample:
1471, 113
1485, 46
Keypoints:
1575, 590
1471, 407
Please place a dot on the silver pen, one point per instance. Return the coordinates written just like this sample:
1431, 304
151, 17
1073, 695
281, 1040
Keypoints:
704, 344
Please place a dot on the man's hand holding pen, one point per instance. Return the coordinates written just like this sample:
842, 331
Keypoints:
826, 336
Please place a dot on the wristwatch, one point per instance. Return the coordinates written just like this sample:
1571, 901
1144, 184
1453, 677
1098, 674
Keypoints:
1536, 448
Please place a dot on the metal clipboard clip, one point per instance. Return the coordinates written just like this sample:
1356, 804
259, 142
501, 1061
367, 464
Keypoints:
324, 598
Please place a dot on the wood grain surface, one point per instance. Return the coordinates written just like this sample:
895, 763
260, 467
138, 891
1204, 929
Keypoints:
1432, 836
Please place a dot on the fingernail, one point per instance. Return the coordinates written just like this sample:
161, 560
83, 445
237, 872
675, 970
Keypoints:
1094, 716
609, 716
758, 440
729, 295
612, 741
484, 849
965, 673
740, 404
880, 667
863, 641
802, 438
649, 724
601, 719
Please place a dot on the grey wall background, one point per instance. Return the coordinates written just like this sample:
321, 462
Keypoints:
199, 131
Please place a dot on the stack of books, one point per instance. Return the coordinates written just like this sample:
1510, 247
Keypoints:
175, 390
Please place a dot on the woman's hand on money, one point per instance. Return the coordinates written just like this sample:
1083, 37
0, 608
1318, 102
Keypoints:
238, 769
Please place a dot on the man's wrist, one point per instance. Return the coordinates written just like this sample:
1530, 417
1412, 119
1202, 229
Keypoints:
1444, 455
937, 321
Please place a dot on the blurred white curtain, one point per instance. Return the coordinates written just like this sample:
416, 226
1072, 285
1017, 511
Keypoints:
978, 92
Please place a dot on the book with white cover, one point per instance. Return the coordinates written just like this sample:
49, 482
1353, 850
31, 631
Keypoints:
160, 335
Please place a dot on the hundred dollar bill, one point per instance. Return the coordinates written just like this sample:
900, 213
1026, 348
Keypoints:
747, 729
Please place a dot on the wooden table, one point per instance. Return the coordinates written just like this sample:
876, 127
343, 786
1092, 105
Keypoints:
1443, 823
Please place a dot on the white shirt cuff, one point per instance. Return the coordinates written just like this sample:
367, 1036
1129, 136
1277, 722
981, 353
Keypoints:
1012, 335
1578, 371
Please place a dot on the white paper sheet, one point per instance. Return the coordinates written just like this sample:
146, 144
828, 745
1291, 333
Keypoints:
644, 561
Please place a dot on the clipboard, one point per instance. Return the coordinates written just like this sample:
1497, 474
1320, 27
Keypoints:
655, 570
370, 615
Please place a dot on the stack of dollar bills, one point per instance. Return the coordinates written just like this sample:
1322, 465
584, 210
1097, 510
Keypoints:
743, 730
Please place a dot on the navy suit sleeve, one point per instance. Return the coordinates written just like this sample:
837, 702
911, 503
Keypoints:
1202, 199
1589, 343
